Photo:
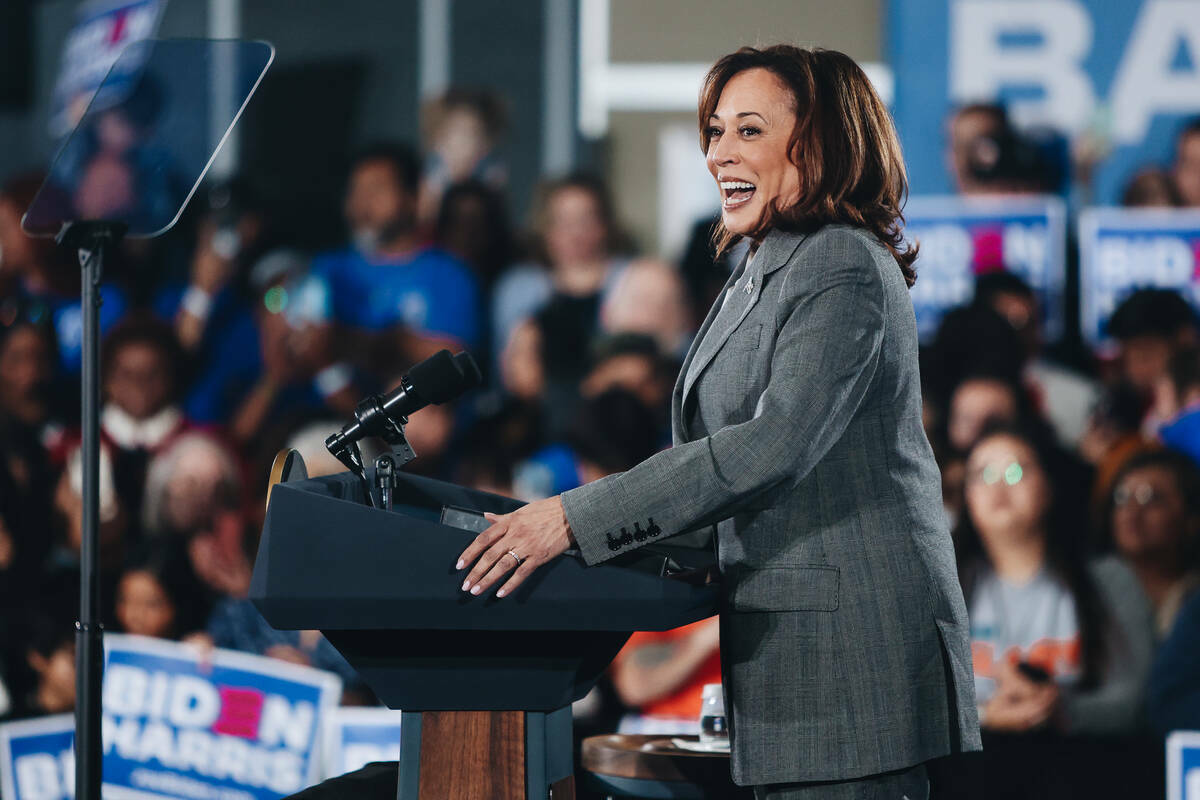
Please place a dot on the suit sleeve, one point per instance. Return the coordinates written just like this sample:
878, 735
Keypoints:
826, 353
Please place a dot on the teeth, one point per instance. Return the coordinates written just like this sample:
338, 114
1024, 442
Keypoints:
736, 185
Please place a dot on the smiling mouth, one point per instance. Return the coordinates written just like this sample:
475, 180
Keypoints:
736, 193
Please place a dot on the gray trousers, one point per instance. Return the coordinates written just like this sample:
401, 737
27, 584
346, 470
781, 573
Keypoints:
909, 784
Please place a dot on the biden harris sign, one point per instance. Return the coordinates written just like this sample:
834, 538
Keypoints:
226, 726
1127, 73
961, 239
1126, 249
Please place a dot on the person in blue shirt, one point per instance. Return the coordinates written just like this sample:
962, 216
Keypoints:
404, 300
1177, 403
47, 277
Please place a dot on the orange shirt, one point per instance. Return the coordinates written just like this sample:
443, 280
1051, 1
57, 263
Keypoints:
684, 702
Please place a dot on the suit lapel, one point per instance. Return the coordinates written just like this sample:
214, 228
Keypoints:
697, 340
776, 249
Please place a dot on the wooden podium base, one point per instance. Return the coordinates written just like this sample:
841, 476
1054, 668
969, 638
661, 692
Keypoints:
486, 755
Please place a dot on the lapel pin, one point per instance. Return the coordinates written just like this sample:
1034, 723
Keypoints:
750, 285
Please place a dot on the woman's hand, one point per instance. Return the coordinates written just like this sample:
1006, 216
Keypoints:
536, 533
1019, 704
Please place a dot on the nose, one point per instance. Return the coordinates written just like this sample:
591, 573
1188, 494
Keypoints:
723, 151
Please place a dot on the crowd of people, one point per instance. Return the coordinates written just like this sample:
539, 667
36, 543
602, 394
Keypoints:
1071, 481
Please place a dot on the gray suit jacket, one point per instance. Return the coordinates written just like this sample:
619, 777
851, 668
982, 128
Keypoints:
797, 429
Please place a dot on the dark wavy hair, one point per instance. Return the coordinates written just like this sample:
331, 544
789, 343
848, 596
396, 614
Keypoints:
1066, 546
843, 145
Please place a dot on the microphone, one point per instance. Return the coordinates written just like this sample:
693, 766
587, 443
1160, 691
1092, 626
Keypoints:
437, 379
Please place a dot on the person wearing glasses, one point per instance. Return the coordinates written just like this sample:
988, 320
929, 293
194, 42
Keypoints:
1061, 644
1152, 521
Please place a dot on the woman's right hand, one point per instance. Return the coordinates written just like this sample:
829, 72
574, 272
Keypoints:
1018, 704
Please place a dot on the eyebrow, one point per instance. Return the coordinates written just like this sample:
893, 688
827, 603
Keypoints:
714, 115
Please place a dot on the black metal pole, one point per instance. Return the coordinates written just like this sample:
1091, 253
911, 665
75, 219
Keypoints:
89, 645
92, 240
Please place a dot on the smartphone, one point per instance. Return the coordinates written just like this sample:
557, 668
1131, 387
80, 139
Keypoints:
1033, 672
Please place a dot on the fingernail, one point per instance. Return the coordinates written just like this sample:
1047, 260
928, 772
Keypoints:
500, 593
475, 589
459, 565
466, 585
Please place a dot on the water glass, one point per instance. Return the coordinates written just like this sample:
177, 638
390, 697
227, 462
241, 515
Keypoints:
713, 728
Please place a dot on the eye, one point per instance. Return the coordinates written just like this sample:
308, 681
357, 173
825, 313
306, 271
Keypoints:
749, 130
714, 132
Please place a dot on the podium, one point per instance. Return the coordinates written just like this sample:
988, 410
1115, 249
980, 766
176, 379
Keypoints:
485, 684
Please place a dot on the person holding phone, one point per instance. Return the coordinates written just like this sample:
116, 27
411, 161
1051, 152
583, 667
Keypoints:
1058, 642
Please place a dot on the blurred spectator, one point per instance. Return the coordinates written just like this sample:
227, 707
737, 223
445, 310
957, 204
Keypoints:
189, 483
704, 273
461, 129
50, 655
986, 155
1057, 642
613, 432
140, 362
521, 371
1173, 691
472, 225
68, 508
662, 675
408, 300
649, 297
45, 273
1150, 325
212, 313
1152, 520
980, 400
1150, 188
27, 427
973, 339
297, 380
1186, 170
575, 244
1064, 397
1177, 403
1113, 434
159, 595
633, 362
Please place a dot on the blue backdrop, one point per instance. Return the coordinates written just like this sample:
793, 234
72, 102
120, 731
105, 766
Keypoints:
1128, 70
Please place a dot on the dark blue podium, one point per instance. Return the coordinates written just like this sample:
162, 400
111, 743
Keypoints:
486, 685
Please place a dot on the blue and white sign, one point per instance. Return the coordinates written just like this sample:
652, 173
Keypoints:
1183, 765
962, 238
1125, 249
1127, 73
232, 725
357, 736
103, 28
37, 758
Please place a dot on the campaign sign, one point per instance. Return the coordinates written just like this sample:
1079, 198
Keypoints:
228, 727
37, 758
961, 238
1124, 74
103, 28
1183, 765
1124, 249
354, 737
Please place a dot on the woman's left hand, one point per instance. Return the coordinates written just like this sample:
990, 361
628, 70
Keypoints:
536, 532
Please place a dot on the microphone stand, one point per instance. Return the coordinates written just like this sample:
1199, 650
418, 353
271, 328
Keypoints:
92, 240
375, 420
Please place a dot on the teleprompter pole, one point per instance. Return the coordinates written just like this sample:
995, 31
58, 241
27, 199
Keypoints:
92, 240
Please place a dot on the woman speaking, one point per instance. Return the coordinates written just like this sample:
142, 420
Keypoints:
797, 428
